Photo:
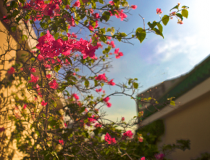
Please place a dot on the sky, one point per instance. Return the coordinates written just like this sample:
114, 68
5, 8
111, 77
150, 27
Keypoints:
157, 59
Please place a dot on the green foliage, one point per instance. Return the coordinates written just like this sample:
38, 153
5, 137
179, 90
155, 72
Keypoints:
140, 34
203, 156
185, 13
165, 19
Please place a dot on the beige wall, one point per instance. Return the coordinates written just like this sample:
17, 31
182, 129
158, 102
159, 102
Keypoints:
191, 121
7, 103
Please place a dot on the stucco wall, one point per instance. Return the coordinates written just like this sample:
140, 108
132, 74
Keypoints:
192, 122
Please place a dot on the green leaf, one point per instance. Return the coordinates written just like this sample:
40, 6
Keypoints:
82, 109
176, 7
87, 83
135, 85
13, 29
108, 30
69, 60
140, 34
57, 68
129, 81
96, 82
152, 25
101, 1
103, 38
165, 19
24, 38
185, 13
158, 32
122, 34
180, 16
172, 103
160, 27
185, 7
106, 16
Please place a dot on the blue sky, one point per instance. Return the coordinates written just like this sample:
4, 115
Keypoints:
157, 59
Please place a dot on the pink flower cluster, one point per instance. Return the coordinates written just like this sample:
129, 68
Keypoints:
32, 69
159, 156
159, 11
99, 90
53, 84
106, 101
43, 103
109, 139
61, 141
118, 54
127, 134
50, 48
34, 79
2, 129
98, 125
101, 77
75, 96
11, 70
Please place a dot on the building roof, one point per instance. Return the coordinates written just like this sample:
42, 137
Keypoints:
177, 87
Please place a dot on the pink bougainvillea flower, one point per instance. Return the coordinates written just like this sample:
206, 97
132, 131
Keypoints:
142, 158
108, 104
106, 99
173, 13
32, 69
158, 11
116, 50
76, 4
122, 119
91, 11
98, 125
11, 70
67, 6
99, 90
101, 77
40, 57
92, 119
61, 141
128, 134
133, 6
96, 15
120, 54
109, 139
180, 21
43, 103
91, 28
37, 87
111, 2
140, 139
108, 37
111, 82
48, 76
21, 69
65, 125
34, 79
24, 107
74, 74
75, 96
2, 129
112, 44
159, 156
53, 84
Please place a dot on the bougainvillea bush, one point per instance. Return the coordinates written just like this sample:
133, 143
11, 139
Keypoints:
52, 72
